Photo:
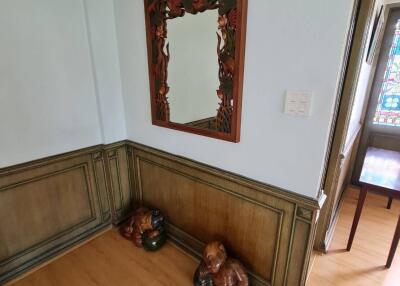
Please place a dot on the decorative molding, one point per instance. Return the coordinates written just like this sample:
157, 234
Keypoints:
117, 164
50, 205
83, 168
304, 214
189, 240
207, 123
287, 195
100, 176
182, 187
230, 52
118, 176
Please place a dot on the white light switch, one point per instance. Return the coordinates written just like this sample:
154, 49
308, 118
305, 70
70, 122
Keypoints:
298, 102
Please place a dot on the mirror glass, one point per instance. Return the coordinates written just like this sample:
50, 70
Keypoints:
193, 69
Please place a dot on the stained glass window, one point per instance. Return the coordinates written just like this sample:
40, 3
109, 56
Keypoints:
388, 108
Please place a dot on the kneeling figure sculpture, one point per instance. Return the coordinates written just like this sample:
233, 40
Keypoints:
216, 269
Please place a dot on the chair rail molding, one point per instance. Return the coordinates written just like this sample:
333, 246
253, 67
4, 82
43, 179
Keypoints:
49, 205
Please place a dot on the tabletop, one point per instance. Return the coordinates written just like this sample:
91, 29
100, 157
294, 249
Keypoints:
381, 168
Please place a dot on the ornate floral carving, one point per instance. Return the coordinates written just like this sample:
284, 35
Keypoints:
226, 61
159, 12
175, 9
160, 56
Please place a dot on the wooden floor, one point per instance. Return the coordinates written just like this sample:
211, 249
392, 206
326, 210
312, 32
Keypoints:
111, 260
364, 265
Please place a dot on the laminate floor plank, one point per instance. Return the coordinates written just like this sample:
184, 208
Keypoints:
111, 260
365, 263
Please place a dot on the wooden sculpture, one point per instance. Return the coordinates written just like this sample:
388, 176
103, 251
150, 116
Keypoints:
145, 228
175, 9
226, 62
216, 269
158, 12
196, 6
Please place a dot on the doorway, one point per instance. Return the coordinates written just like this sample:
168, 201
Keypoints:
382, 117
364, 116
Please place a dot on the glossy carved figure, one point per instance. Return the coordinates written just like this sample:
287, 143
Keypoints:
176, 8
216, 269
145, 228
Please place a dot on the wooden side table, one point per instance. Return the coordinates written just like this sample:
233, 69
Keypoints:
380, 173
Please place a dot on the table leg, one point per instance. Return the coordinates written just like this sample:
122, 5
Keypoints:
395, 242
360, 204
389, 204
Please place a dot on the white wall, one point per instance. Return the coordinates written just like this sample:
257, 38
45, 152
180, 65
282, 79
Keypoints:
60, 85
290, 45
103, 43
52, 89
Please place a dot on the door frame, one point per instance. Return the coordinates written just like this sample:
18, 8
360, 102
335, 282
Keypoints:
357, 40
372, 134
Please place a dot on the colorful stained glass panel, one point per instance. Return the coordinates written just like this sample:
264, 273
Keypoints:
388, 108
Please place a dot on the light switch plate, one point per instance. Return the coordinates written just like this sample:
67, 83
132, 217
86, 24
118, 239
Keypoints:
298, 102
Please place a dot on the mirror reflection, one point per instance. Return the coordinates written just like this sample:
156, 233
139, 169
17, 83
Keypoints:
193, 69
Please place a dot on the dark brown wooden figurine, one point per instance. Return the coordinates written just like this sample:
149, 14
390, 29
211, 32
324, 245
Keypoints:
216, 269
145, 228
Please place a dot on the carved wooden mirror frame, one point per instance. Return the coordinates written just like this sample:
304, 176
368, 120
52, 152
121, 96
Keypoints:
232, 25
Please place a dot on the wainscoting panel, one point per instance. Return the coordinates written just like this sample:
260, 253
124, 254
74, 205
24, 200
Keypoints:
119, 181
49, 205
271, 230
101, 185
384, 141
46, 206
302, 245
